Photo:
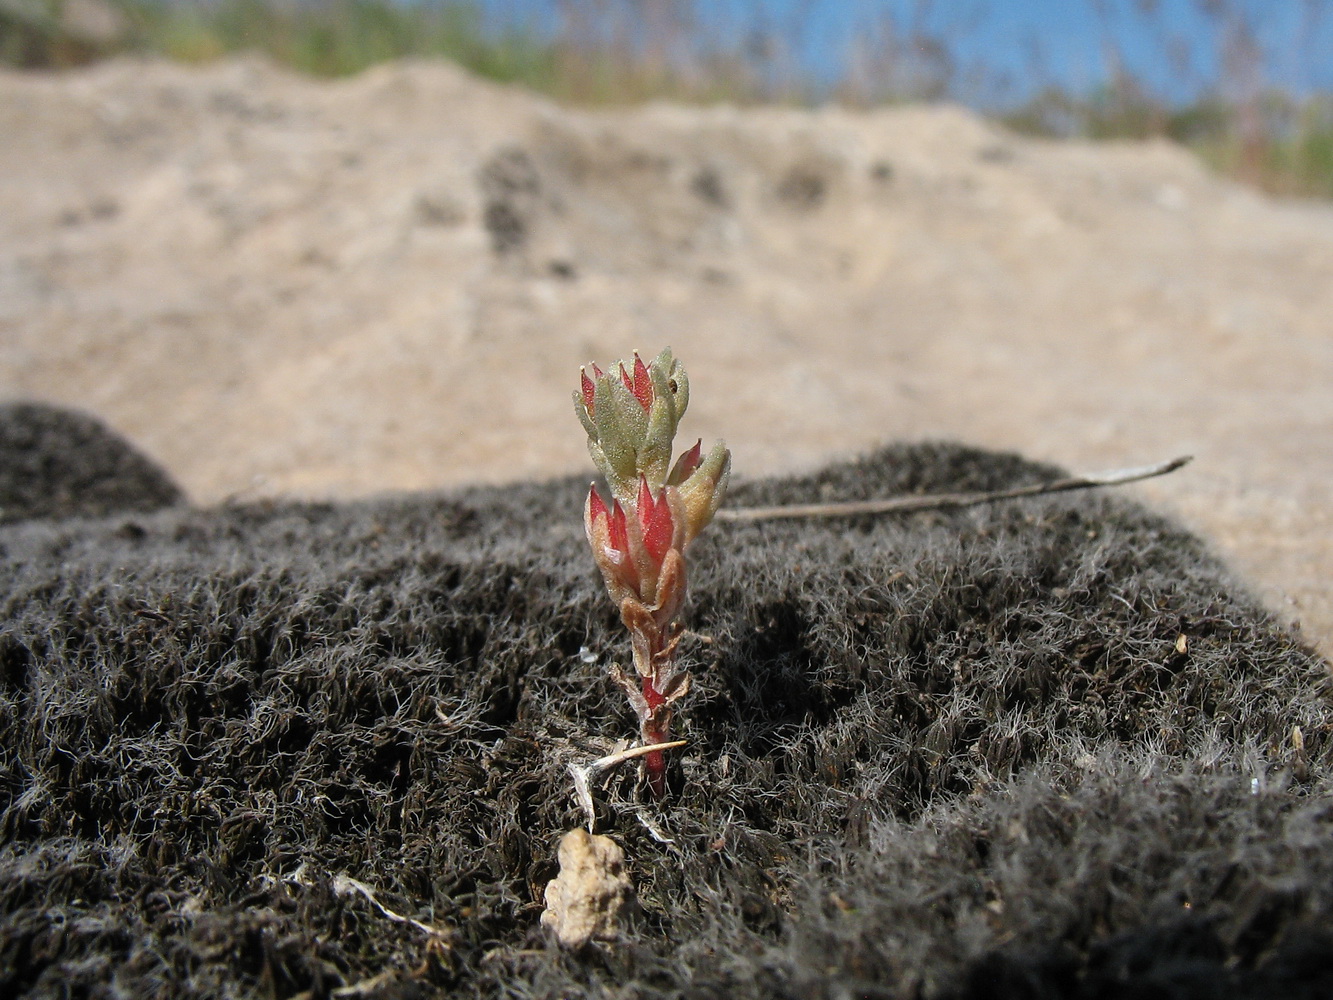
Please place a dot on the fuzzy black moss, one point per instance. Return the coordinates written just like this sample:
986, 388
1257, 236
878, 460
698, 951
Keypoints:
60, 463
952, 754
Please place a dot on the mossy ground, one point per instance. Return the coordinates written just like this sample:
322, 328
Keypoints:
1041, 748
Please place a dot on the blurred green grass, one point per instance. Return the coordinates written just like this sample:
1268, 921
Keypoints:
627, 51
335, 38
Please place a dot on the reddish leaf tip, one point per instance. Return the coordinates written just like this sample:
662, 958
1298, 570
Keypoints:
645, 500
686, 464
596, 505
643, 383
589, 390
694, 456
655, 519
619, 528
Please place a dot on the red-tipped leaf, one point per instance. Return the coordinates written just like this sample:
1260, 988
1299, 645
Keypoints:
686, 464
618, 528
596, 505
643, 383
589, 389
644, 501
655, 520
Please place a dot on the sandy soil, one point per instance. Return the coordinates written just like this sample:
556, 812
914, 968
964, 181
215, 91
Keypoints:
277, 286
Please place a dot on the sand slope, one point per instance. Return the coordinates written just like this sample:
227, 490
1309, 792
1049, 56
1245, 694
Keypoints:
281, 286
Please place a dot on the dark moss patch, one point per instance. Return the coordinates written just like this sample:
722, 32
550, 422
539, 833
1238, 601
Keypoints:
60, 463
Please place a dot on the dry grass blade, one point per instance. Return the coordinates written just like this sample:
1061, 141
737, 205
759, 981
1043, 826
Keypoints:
944, 501
345, 885
585, 775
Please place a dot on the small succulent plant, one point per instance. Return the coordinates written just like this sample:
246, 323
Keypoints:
639, 535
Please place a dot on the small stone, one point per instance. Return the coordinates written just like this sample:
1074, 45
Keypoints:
592, 895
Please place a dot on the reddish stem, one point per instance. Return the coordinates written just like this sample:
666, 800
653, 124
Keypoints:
654, 763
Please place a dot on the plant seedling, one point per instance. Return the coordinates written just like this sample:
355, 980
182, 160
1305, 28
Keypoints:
639, 535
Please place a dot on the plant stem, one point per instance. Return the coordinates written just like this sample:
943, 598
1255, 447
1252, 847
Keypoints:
652, 731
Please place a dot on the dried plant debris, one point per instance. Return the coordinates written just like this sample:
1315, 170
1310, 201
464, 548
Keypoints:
592, 897
947, 754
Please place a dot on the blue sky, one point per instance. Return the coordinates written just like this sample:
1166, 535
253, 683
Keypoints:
1171, 45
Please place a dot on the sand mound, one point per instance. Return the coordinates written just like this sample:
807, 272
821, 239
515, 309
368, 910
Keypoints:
284, 287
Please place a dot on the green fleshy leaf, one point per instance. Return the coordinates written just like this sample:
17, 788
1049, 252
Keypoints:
662, 391
682, 393
711, 467
665, 371
723, 479
616, 445
582, 412
599, 459
702, 492
633, 417
664, 361
655, 457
